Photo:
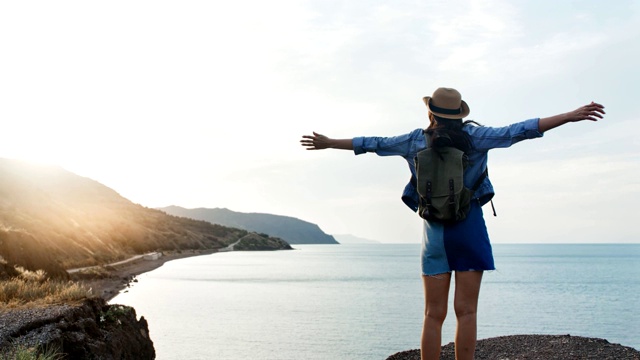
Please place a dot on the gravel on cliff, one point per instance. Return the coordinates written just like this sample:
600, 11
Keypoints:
17, 322
537, 347
88, 330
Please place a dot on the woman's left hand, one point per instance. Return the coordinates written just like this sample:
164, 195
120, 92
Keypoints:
319, 142
315, 141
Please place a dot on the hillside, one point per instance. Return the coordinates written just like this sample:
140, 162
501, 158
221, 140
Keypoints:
290, 229
53, 219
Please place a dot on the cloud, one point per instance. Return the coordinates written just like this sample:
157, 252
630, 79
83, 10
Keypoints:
461, 23
203, 103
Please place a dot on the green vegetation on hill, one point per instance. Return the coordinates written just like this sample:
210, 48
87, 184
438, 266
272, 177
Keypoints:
52, 219
256, 241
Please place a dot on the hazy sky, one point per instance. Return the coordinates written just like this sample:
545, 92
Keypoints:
203, 103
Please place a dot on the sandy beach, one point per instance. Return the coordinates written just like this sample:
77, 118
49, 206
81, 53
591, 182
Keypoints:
118, 278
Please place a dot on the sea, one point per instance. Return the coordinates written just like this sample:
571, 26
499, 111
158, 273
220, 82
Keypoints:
334, 302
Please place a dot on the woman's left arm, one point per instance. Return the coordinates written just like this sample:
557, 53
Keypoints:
591, 112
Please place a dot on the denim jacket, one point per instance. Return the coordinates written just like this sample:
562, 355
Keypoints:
483, 138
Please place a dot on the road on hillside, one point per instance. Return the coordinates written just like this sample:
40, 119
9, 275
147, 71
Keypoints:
133, 258
136, 257
230, 247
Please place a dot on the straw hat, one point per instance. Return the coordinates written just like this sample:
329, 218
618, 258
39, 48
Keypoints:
447, 103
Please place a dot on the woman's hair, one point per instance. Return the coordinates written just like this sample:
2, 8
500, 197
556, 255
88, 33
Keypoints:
448, 132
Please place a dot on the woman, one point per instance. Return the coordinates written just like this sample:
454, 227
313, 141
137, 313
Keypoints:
462, 248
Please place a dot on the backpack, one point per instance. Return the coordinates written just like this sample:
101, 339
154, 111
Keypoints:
440, 183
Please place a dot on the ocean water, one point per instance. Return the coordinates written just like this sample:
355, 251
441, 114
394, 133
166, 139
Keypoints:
366, 302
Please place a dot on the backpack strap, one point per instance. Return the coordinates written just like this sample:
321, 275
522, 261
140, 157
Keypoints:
477, 184
452, 197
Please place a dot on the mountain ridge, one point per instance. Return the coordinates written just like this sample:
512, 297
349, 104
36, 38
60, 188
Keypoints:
352, 239
288, 228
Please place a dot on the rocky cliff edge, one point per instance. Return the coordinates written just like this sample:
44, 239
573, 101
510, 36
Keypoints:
537, 347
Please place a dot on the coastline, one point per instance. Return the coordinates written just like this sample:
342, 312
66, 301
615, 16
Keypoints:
121, 276
489, 348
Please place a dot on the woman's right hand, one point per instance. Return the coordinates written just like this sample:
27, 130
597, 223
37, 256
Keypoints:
591, 112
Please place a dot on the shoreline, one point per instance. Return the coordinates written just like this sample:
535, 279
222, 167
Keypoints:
121, 276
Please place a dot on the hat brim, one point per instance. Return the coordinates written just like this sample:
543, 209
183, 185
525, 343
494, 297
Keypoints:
464, 109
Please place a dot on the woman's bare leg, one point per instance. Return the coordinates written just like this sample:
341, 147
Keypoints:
465, 303
436, 296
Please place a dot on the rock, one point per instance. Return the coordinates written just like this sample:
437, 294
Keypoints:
537, 347
91, 330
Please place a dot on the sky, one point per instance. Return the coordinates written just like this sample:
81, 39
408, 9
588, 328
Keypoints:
203, 104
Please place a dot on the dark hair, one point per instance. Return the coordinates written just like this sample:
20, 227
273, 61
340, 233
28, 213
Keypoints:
448, 132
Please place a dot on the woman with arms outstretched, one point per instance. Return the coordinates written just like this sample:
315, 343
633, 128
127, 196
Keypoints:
461, 248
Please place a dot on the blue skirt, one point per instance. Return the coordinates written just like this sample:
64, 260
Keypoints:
463, 246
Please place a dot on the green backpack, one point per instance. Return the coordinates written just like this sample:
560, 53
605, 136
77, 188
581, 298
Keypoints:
440, 182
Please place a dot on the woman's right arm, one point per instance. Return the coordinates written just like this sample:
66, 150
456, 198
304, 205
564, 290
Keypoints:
486, 138
591, 112
319, 142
